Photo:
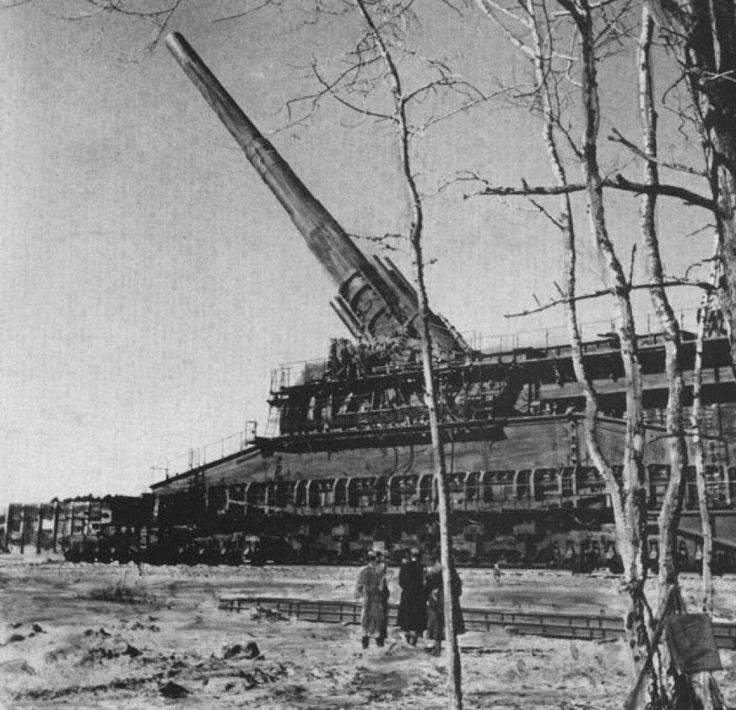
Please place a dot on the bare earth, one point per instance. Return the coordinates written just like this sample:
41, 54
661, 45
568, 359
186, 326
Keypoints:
103, 636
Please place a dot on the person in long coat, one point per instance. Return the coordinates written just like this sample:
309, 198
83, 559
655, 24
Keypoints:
412, 618
434, 594
372, 589
382, 565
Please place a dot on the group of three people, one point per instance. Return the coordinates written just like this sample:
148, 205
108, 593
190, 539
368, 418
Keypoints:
422, 600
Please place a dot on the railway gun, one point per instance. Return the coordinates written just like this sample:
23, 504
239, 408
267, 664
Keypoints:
321, 484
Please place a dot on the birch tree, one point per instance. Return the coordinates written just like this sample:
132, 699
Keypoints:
402, 99
627, 496
704, 311
532, 32
703, 37
374, 73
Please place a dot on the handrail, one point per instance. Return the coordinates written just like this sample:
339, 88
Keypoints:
547, 624
296, 371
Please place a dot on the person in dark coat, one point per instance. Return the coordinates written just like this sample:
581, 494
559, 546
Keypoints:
382, 565
412, 618
435, 598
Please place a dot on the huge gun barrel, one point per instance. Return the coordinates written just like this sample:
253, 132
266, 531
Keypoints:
374, 299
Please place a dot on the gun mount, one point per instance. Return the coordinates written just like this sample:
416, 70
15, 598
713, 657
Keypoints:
374, 300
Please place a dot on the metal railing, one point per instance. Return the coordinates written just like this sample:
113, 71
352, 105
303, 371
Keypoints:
312, 370
201, 455
550, 625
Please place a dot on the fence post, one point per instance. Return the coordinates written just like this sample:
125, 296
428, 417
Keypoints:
8, 523
54, 534
22, 529
71, 518
40, 527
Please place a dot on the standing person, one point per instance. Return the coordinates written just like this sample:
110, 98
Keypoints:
497, 574
382, 566
372, 589
412, 608
434, 595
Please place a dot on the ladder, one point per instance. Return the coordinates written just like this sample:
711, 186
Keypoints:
273, 422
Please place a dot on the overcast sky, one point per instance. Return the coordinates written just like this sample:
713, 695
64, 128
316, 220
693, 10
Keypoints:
150, 282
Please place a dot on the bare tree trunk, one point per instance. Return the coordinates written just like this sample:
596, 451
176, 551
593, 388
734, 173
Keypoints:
699, 456
697, 438
454, 675
720, 123
708, 691
451, 602
633, 535
709, 44
627, 496
669, 515
672, 502
709, 31
542, 58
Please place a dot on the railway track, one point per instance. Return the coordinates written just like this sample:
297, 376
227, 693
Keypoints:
568, 626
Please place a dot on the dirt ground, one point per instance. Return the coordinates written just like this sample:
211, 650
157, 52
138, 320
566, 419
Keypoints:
103, 636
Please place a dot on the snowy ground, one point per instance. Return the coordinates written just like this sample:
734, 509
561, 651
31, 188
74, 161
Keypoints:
97, 636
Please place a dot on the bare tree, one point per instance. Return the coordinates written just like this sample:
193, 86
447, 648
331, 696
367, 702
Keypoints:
371, 84
706, 308
628, 494
672, 502
703, 37
402, 99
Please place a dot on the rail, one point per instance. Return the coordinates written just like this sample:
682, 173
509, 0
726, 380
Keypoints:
564, 626
207, 453
647, 324
300, 372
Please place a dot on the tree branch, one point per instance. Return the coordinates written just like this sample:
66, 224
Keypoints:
618, 183
246, 12
617, 137
703, 285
